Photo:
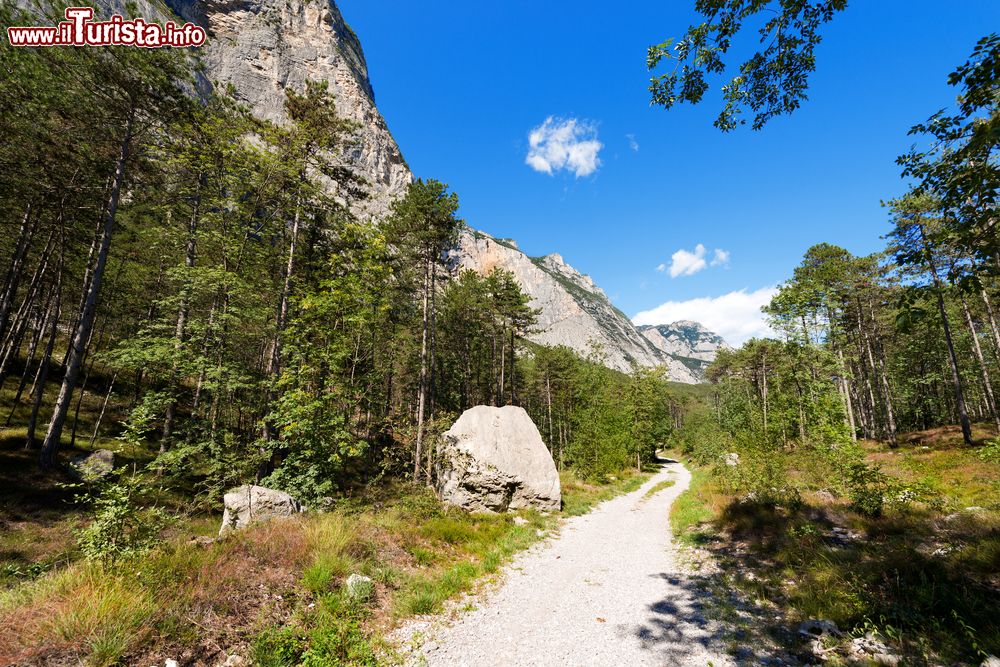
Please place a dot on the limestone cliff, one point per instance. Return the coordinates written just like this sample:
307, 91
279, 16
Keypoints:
263, 47
573, 311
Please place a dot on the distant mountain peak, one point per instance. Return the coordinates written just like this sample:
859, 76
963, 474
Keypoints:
688, 342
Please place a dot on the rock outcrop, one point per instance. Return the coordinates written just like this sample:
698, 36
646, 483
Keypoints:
494, 460
249, 503
261, 48
264, 47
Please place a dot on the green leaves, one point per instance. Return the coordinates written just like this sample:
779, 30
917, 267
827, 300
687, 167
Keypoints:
772, 82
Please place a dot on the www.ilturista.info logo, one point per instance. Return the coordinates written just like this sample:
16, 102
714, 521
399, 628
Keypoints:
80, 30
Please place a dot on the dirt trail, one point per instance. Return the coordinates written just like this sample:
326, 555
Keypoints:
605, 591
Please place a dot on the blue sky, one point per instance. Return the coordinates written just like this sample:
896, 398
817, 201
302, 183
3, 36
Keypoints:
463, 84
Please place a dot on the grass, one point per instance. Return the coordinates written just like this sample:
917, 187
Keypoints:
691, 510
659, 486
580, 496
924, 575
275, 592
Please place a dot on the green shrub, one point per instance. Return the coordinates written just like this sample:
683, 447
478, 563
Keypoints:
121, 527
990, 452
761, 477
277, 647
336, 637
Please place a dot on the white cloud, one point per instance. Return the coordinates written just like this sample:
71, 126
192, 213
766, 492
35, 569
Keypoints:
632, 143
687, 263
568, 144
735, 316
721, 257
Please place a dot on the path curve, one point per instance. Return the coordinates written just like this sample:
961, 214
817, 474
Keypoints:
606, 591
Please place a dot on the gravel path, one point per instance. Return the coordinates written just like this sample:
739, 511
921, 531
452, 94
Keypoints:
606, 591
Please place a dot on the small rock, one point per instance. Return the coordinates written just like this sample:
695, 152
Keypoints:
974, 508
818, 628
732, 459
359, 587
250, 503
170, 663
202, 540
234, 661
991, 661
520, 521
869, 644
825, 496
96, 465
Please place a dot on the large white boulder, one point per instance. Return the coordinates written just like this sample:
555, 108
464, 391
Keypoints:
494, 460
249, 503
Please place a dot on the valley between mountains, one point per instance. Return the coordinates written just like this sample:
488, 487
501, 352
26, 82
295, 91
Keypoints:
269, 398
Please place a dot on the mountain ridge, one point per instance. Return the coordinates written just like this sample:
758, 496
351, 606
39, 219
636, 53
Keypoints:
574, 311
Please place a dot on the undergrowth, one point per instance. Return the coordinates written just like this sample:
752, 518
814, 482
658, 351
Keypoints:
275, 592
922, 573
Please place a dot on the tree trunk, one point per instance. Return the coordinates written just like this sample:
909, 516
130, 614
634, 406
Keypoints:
86, 319
956, 377
36, 337
977, 349
104, 407
181, 326
548, 404
12, 340
16, 269
422, 388
38, 387
268, 431
992, 320
846, 392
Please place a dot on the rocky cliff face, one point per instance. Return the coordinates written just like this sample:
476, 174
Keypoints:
573, 310
689, 343
263, 47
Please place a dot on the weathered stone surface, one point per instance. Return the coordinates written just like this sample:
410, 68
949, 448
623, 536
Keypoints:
818, 628
265, 47
359, 587
249, 503
93, 466
494, 460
